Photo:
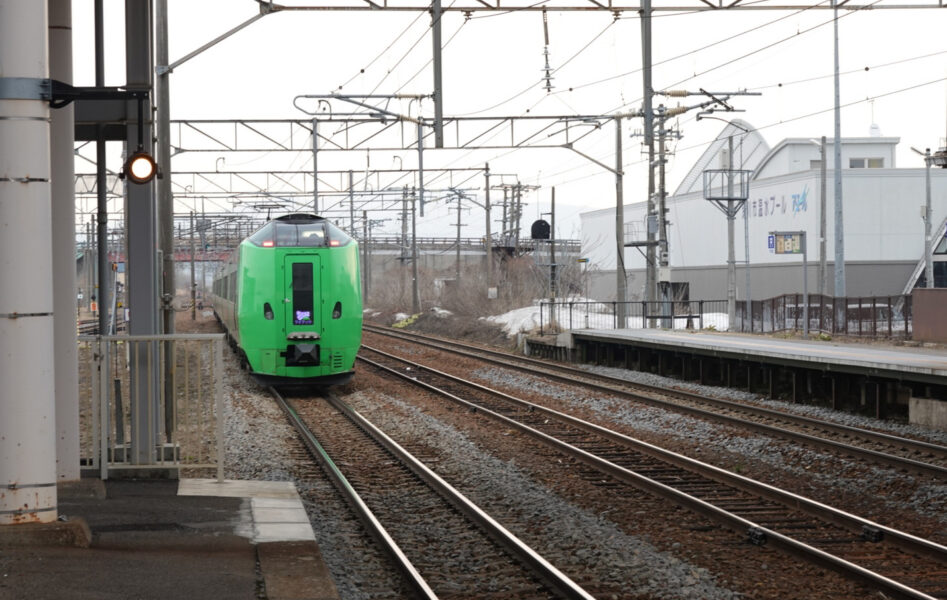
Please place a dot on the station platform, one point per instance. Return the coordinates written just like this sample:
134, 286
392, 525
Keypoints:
160, 539
919, 363
882, 380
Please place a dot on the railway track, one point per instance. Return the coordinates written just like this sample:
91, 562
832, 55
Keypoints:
907, 454
442, 543
897, 564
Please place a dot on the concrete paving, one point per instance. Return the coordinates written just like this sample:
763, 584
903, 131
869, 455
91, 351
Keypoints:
157, 539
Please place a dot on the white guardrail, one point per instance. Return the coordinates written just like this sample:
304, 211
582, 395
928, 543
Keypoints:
136, 413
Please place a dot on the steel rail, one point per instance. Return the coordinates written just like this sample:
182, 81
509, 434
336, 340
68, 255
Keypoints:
552, 576
365, 515
916, 466
725, 518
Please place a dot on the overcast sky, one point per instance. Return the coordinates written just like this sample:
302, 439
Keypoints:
493, 66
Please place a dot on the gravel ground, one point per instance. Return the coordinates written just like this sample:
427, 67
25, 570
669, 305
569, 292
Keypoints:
818, 412
882, 494
253, 423
261, 445
631, 563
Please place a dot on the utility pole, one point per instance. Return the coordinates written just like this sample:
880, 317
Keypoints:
664, 264
504, 231
517, 213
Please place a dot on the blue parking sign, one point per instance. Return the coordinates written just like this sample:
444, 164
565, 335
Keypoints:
771, 243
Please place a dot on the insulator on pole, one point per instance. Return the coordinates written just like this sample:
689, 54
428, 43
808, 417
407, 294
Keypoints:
547, 69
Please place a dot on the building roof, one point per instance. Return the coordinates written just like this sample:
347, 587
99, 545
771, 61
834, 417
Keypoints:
749, 147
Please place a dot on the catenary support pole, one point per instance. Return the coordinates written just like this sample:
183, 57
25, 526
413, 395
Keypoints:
748, 302
415, 292
436, 19
404, 241
731, 244
552, 248
193, 282
62, 136
315, 166
457, 255
648, 118
140, 212
620, 277
27, 391
839, 228
365, 257
165, 202
352, 230
101, 183
489, 235
928, 259
822, 233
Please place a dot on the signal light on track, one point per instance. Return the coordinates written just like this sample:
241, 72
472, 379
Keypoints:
140, 168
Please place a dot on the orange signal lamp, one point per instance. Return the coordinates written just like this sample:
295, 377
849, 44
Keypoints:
140, 168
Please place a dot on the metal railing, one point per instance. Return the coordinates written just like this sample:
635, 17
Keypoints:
557, 316
882, 316
136, 413
877, 316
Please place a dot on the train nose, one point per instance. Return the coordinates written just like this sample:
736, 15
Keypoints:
302, 355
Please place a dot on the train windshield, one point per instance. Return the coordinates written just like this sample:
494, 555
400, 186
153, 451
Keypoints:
317, 234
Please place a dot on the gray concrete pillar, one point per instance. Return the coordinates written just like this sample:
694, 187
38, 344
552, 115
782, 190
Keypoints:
27, 394
62, 137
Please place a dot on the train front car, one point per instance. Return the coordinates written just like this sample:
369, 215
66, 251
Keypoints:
299, 304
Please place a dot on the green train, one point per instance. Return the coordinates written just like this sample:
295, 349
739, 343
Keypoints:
290, 299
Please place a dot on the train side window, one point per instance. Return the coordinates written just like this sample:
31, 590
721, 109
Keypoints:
337, 311
267, 311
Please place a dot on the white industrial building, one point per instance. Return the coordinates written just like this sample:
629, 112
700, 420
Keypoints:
883, 222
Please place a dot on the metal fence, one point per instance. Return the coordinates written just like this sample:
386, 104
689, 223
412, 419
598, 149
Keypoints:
883, 316
877, 316
137, 413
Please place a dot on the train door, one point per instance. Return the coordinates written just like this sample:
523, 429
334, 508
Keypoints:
302, 296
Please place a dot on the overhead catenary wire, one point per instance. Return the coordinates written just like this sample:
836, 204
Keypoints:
383, 52
704, 143
542, 79
689, 52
